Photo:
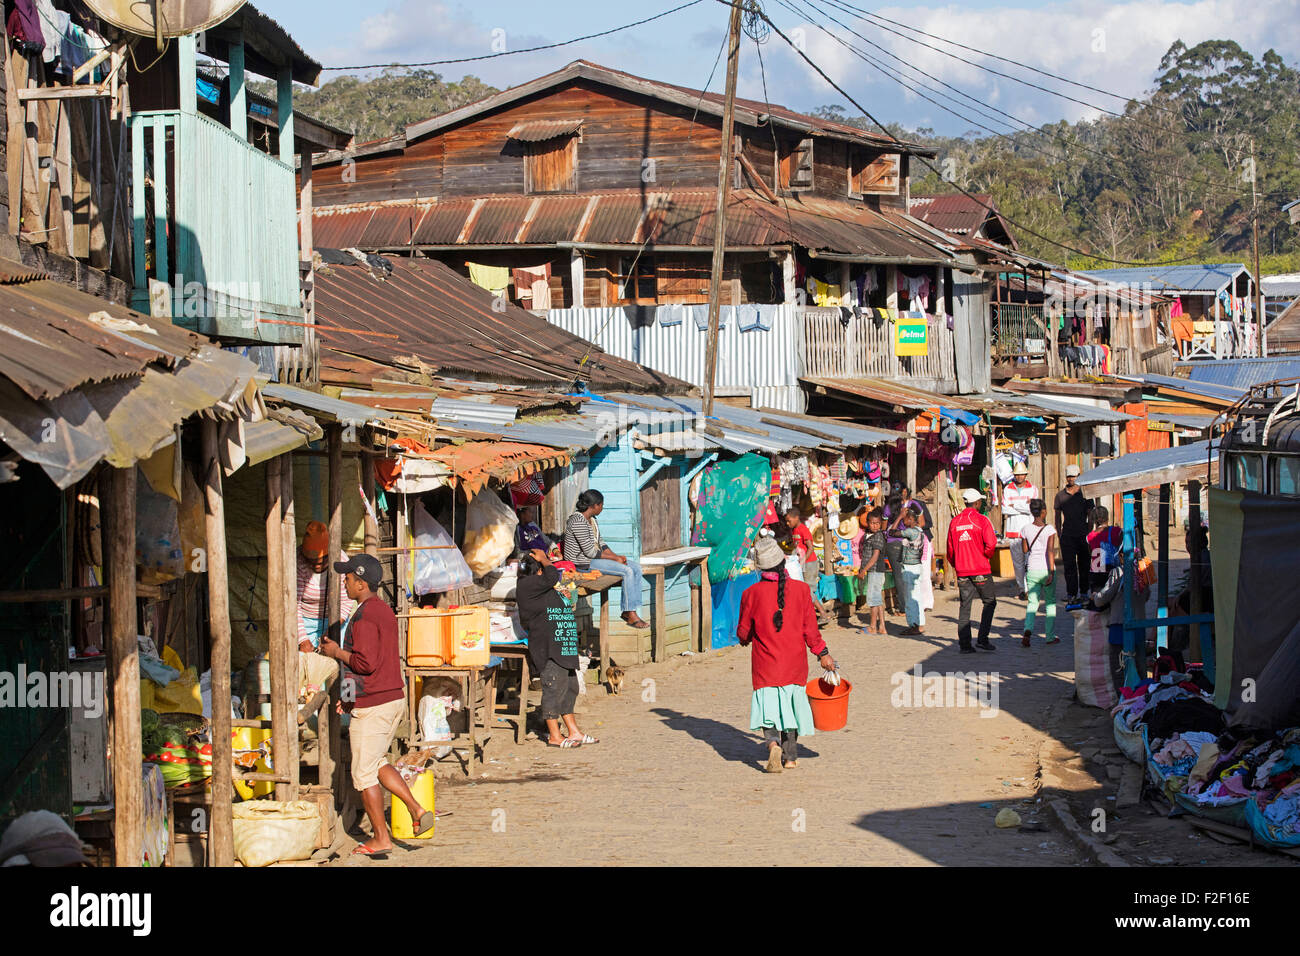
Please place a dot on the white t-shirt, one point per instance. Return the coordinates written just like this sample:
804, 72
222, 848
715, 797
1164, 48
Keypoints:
1041, 539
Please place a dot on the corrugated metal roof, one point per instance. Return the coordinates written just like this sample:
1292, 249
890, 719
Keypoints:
630, 217
1240, 372
954, 212
57, 338
470, 411
1205, 279
451, 325
538, 131
1224, 393
345, 413
474, 463
1077, 413
1147, 468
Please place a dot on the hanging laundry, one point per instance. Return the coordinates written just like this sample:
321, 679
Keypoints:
54, 24
24, 26
533, 285
917, 289
670, 315
492, 278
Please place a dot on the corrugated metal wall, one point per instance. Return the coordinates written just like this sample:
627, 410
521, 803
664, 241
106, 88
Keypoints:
767, 363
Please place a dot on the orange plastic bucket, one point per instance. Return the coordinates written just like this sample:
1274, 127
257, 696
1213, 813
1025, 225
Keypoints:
830, 704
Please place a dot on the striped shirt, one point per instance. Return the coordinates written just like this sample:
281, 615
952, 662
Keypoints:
581, 540
311, 601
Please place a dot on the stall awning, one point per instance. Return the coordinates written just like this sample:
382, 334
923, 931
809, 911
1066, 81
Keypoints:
1076, 413
473, 463
1147, 469
282, 432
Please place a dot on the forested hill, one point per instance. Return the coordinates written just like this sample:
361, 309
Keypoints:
1168, 178
383, 105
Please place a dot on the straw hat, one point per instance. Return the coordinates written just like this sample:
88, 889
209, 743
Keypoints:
1020, 469
768, 555
1071, 471
848, 527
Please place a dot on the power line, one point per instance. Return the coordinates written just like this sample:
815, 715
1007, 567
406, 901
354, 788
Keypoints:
994, 56
971, 196
1015, 141
533, 49
650, 233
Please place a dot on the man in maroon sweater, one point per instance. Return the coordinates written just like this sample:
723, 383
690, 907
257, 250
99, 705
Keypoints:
374, 694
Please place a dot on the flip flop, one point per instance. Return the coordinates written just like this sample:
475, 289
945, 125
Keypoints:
362, 850
427, 820
588, 739
1055, 640
566, 743
639, 625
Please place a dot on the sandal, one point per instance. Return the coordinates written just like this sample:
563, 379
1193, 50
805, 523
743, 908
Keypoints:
1024, 641
638, 623
588, 739
426, 822
1055, 640
362, 850
566, 743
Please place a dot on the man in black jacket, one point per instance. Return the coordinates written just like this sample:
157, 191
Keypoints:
552, 646
1073, 510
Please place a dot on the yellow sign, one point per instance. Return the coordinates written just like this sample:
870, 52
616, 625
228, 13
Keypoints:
911, 334
1160, 426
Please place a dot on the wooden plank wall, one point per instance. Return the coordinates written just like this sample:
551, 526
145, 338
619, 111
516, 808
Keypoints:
620, 132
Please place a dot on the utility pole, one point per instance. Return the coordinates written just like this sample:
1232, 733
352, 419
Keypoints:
1260, 317
720, 215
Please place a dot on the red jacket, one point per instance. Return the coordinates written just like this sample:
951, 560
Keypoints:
779, 657
971, 542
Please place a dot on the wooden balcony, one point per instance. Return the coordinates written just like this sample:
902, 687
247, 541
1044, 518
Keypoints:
865, 349
216, 221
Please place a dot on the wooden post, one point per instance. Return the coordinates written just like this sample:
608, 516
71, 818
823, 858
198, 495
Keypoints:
911, 455
277, 622
368, 486
221, 834
188, 72
1162, 567
289, 636
284, 113
327, 728
123, 663
577, 276
706, 608
238, 90
725, 174
790, 294
1194, 649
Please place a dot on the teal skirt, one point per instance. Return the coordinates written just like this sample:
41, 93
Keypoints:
785, 708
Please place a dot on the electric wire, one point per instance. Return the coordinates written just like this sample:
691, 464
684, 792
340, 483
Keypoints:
501, 53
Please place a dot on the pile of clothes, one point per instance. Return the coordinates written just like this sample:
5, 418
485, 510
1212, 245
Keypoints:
1249, 779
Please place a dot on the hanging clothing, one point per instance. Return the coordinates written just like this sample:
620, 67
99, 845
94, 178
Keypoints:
917, 289
54, 26
24, 26
492, 278
533, 285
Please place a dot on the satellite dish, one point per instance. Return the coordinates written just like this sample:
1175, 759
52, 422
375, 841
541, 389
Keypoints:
164, 18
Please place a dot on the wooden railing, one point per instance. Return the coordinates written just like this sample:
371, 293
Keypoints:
865, 349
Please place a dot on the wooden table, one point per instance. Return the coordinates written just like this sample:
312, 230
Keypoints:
521, 715
477, 717
655, 565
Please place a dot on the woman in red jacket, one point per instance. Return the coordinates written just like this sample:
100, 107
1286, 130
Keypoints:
777, 619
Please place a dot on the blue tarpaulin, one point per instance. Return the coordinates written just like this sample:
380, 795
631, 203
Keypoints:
969, 419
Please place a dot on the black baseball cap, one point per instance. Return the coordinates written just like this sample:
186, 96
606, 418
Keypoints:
364, 566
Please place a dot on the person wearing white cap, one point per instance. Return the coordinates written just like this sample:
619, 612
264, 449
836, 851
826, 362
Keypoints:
1073, 510
971, 542
1016, 518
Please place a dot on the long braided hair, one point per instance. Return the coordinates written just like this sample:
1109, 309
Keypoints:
779, 616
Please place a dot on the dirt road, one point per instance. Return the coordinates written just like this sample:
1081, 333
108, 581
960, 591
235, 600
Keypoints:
676, 778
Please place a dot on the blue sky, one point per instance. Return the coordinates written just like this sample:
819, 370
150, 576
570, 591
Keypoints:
1111, 45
